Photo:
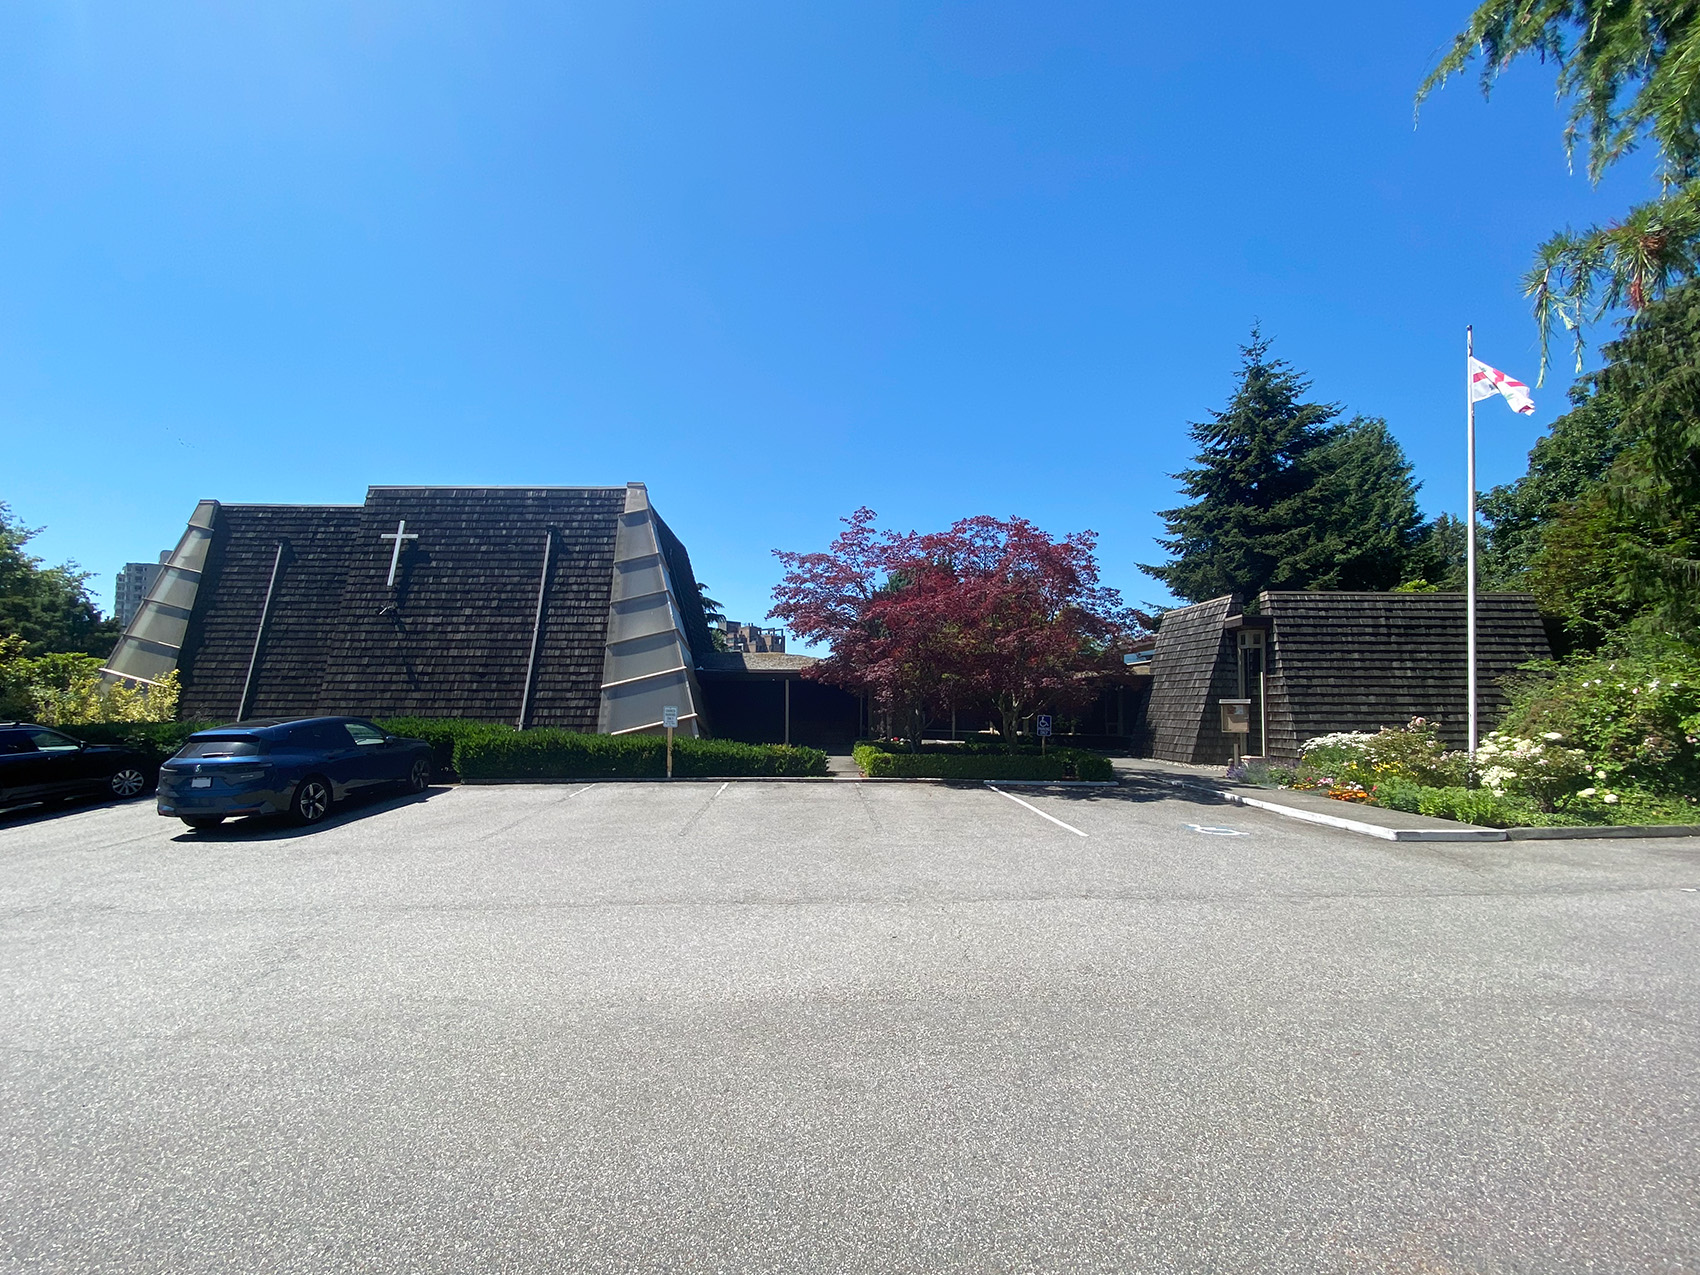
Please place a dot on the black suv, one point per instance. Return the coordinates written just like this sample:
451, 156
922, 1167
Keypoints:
38, 763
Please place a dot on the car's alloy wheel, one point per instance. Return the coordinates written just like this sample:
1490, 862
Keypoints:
312, 800
127, 782
420, 779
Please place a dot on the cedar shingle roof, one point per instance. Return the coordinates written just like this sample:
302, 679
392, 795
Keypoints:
451, 639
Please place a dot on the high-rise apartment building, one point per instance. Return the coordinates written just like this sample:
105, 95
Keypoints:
134, 581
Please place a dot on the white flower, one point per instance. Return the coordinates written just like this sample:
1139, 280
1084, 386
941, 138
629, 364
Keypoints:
1610, 799
1553, 736
1587, 792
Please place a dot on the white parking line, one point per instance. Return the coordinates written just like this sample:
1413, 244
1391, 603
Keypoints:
1017, 800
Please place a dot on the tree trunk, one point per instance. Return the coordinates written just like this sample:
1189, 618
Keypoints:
1009, 711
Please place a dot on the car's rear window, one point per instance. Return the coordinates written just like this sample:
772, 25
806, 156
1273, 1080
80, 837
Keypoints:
222, 748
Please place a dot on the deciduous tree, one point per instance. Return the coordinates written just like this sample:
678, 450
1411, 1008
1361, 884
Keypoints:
48, 607
991, 609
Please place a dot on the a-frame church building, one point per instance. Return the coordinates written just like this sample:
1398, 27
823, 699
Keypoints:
537, 606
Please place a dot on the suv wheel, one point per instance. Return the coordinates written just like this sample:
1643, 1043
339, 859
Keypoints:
312, 800
127, 782
420, 779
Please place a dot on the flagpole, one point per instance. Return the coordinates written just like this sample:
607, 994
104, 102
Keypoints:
1470, 537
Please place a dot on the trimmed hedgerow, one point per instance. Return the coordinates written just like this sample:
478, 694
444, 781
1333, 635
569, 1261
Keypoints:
442, 733
494, 751
880, 762
559, 754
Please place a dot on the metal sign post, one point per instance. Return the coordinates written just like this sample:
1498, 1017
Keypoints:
670, 719
1043, 727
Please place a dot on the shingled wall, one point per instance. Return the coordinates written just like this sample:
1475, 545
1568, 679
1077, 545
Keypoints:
307, 606
1361, 661
1191, 668
451, 638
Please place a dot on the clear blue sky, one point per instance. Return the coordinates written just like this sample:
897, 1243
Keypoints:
777, 260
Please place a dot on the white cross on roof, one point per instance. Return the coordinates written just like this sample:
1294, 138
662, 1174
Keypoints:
400, 534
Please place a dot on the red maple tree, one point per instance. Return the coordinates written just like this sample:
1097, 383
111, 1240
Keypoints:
992, 611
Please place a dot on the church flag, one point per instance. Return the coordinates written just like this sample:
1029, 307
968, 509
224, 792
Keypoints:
1487, 381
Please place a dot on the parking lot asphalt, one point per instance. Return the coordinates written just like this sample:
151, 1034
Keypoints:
849, 1027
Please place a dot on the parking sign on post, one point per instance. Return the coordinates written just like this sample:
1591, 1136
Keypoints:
670, 719
1042, 727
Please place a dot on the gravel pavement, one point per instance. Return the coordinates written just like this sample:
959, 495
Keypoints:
840, 1027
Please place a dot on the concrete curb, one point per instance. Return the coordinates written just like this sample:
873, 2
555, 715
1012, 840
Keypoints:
1614, 830
1051, 783
1459, 832
714, 779
1463, 832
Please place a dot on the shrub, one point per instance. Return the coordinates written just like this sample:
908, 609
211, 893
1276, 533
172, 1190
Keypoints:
1470, 805
1540, 770
1399, 794
442, 733
1413, 752
1636, 717
557, 754
878, 761
1466, 805
1478, 806
1591, 806
67, 690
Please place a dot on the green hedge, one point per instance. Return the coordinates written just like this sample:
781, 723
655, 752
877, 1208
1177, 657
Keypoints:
559, 754
490, 751
162, 739
879, 761
442, 733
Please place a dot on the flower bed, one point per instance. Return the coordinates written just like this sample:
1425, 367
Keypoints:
1526, 781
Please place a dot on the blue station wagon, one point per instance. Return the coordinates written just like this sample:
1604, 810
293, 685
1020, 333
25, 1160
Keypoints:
299, 767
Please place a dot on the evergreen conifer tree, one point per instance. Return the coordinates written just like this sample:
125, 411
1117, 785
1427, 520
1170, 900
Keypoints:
1285, 498
1355, 525
1236, 534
